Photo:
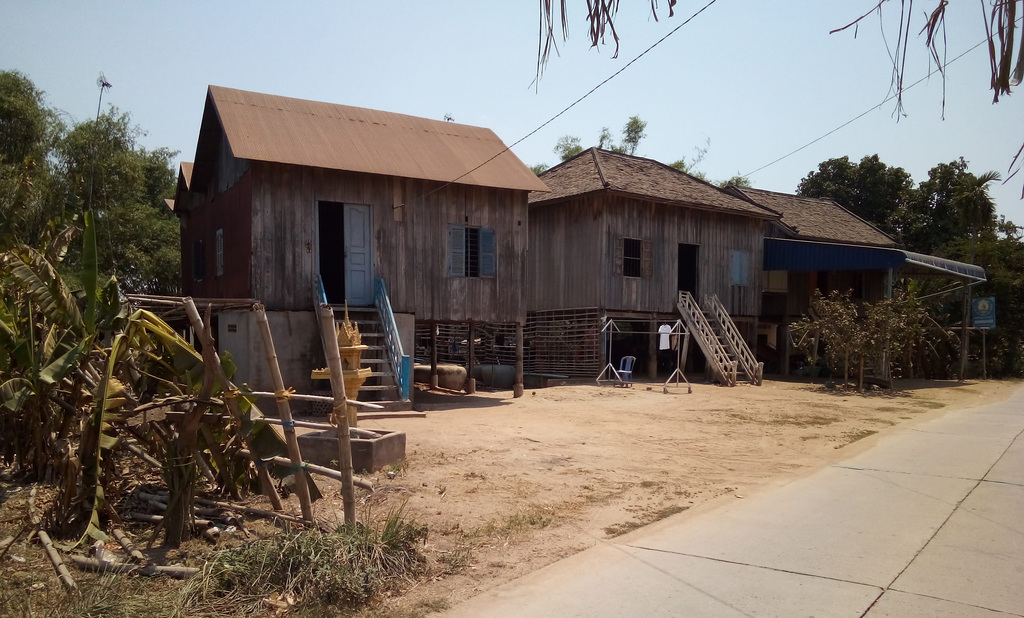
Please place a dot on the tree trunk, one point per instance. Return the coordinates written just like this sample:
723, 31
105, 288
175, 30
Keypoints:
180, 476
180, 472
846, 366
860, 379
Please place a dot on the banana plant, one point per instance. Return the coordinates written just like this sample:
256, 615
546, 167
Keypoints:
78, 360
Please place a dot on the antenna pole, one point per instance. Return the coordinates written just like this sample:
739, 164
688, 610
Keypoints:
102, 82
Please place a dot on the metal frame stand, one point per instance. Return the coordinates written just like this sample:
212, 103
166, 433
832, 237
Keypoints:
608, 328
679, 329
611, 375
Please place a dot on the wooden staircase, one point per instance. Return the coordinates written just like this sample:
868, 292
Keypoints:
721, 364
733, 341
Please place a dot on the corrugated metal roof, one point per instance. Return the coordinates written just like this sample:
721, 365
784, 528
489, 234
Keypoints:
817, 219
277, 129
601, 170
805, 255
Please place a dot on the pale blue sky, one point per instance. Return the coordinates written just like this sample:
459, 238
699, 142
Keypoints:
758, 78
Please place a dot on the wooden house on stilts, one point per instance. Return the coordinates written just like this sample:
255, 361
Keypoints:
292, 202
636, 241
817, 245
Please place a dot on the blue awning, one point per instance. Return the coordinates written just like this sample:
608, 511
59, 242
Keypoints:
805, 255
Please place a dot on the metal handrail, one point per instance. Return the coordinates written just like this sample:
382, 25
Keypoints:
737, 343
320, 296
401, 363
706, 338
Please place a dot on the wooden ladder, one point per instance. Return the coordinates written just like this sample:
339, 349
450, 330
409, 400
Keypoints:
722, 366
733, 340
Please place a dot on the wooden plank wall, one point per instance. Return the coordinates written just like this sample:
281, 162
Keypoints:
410, 220
229, 211
568, 248
801, 286
571, 255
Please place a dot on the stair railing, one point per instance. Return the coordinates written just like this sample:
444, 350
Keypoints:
706, 338
734, 340
319, 295
401, 363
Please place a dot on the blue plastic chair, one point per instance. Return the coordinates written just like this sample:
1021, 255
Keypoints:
626, 370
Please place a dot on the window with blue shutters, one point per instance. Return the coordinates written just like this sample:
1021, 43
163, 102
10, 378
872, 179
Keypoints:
740, 274
471, 252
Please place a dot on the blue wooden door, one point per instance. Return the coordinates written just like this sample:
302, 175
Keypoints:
358, 255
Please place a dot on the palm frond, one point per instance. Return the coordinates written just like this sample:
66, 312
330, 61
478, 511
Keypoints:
44, 286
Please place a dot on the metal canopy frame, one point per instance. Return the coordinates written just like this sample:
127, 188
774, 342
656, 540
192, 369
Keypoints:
611, 375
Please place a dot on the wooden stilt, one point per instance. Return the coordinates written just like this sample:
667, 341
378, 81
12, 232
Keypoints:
433, 355
784, 333
471, 359
652, 350
517, 389
285, 412
339, 414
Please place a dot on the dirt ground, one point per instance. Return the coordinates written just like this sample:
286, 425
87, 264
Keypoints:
510, 485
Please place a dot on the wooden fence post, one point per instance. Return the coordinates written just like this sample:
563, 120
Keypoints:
230, 394
339, 414
285, 411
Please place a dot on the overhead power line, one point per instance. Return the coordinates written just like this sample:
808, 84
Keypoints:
865, 113
574, 103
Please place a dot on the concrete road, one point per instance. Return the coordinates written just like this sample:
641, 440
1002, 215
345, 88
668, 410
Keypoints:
927, 521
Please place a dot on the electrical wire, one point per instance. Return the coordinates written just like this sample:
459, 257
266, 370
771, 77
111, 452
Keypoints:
865, 113
571, 105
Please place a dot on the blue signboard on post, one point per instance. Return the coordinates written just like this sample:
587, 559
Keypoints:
983, 312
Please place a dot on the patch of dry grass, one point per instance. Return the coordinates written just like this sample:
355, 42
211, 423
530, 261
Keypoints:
648, 518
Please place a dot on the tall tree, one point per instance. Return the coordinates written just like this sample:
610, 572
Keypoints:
45, 171
690, 166
933, 222
136, 232
870, 189
977, 209
632, 133
28, 131
567, 147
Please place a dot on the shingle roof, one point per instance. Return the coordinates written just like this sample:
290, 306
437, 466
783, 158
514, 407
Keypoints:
596, 170
818, 219
277, 129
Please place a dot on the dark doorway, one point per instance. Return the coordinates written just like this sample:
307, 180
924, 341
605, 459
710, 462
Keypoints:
332, 250
688, 268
